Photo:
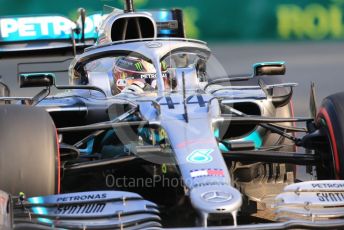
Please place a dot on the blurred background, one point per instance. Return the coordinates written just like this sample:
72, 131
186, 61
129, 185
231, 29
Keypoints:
307, 34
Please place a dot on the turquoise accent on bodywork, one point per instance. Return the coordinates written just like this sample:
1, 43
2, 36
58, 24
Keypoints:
88, 149
163, 16
223, 148
35, 200
275, 63
217, 133
146, 134
39, 210
44, 220
255, 65
254, 136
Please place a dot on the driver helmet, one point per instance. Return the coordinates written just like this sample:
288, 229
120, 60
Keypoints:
135, 71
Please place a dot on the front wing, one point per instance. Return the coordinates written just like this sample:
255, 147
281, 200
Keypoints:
311, 204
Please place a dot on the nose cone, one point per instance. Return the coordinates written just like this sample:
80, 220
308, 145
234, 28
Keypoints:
216, 200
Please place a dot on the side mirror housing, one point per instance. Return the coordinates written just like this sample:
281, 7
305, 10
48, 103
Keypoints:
269, 68
27, 80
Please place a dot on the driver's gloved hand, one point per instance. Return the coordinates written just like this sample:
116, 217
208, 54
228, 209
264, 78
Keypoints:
135, 87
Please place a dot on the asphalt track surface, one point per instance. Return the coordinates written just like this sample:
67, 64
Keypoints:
321, 62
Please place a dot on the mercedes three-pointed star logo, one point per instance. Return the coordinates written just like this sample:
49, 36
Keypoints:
217, 196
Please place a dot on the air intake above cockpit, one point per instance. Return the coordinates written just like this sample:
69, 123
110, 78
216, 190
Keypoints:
127, 26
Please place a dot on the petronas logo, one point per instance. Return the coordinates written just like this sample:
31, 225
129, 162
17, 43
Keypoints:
139, 66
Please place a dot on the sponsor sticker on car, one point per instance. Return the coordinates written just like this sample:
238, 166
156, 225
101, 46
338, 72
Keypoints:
310, 186
323, 199
200, 156
87, 208
88, 204
80, 197
206, 172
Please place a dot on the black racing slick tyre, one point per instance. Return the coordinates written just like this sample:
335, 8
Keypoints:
330, 120
29, 155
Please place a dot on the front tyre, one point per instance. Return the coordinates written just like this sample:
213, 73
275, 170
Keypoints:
29, 157
330, 120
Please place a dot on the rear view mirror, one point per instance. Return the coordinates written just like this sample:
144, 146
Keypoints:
36, 80
269, 68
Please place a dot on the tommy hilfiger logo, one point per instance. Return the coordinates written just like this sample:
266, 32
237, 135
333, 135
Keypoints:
206, 172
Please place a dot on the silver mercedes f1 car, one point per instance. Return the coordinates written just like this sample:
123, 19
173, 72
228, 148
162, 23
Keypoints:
152, 133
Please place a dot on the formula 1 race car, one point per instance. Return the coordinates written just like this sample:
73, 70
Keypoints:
152, 133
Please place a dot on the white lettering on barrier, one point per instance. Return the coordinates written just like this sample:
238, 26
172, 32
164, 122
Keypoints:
8, 25
26, 27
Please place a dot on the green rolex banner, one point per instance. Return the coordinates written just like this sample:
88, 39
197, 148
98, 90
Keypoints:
214, 20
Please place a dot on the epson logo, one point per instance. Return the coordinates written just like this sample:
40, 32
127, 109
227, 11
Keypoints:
82, 197
80, 209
